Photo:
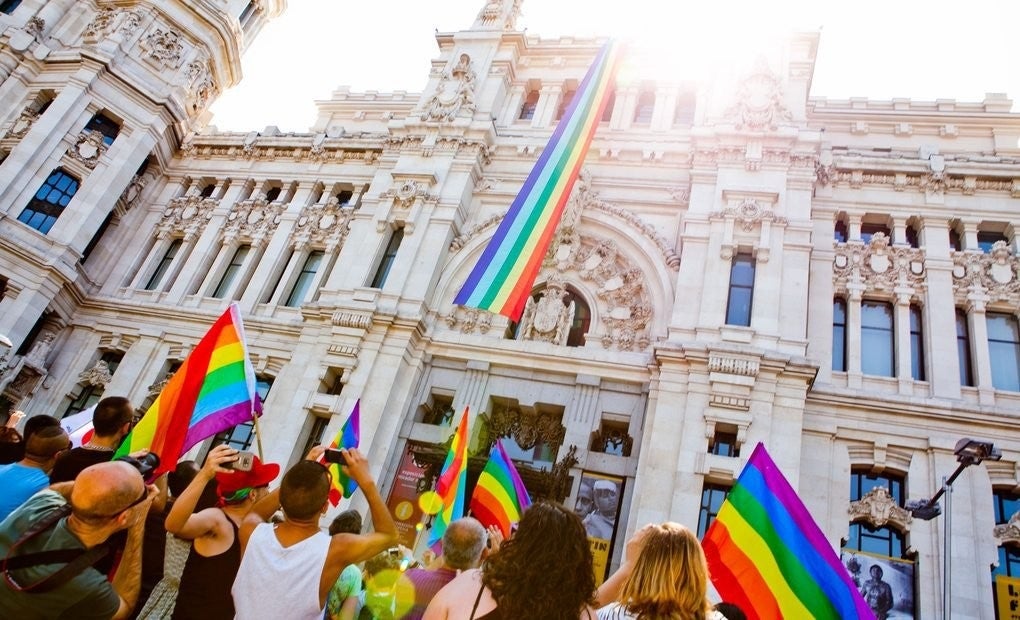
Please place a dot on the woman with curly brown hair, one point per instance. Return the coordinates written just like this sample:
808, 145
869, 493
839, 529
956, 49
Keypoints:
664, 578
544, 571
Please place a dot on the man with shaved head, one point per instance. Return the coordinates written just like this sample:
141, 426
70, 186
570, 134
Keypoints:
30, 475
103, 499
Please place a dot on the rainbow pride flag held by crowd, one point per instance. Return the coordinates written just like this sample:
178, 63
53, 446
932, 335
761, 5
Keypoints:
348, 437
499, 497
502, 278
768, 556
212, 391
452, 483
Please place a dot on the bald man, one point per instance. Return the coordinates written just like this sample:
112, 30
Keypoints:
103, 499
31, 474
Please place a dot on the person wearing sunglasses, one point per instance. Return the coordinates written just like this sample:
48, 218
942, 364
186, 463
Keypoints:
48, 546
31, 474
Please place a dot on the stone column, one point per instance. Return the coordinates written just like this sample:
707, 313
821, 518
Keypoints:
548, 101
152, 260
970, 231
297, 258
853, 330
513, 105
901, 339
940, 312
980, 355
471, 393
665, 104
582, 416
854, 226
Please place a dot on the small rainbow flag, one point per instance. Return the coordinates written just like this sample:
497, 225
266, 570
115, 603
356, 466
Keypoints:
452, 482
348, 437
502, 278
212, 391
499, 497
768, 556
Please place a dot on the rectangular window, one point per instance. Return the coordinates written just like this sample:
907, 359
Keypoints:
916, 344
840, 232
164, 264
839, 335
1004, 351
8, 6
738, 307
963, 348
955, 241
49, 202
94, 241
868, 231
304, 279
104, 125
240, 437
644, 108
231, 271
987, 239
387, 260
315, 434
529, 105
712, 498
724, 443
877, 339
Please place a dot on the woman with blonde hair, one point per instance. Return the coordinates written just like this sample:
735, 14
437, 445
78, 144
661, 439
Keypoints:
665, 578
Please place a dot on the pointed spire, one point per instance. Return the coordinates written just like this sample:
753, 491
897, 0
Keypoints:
498, 15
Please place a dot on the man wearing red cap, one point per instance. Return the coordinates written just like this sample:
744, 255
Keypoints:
216, 548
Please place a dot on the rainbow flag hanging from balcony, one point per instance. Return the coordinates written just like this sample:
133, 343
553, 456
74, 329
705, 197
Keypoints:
768, 556
502, 278
212, 391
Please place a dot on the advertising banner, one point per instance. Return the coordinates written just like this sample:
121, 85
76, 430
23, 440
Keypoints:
598, 504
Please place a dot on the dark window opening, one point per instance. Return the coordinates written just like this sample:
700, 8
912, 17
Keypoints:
272, 194
877, 339
963, 348
388, 258
868, 231
607, 112
644, 108
164, 264
839, 335
94, 241
528, 107
49, 202
240, 254
955, 240
8, 6
987, 239
724, 443
208, 190
104, 125
344, 196
304, 280
913, 237
840, 232
738, 306
916, 344
712, 498
565, 102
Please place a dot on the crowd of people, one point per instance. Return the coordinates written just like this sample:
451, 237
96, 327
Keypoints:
85, 535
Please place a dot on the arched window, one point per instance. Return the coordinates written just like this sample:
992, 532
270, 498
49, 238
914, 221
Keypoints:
582, 319
49, 202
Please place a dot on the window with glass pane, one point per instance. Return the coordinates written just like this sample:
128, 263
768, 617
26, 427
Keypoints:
884, 540
164, 264
315, 434
607, 113
839, 335
241, 436
712, 498
49, 202
987, 239
955, 240
582, 320
840, 232
1004, 351
8, 6
877, 339
868, 231
738, 306
389, 256
913, 237
862, 483
529, 105
644, 108
724, 443
1005, 505
304, 279
963, 348
104, 125
246, 13
94, 241
236, 261
916, 344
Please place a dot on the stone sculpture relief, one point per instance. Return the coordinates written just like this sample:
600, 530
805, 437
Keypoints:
253, 220
186, 215
454, 93
994, 274
878, 265
549, 319
760, 103
199, 83
88, 148
98, 375
163, 48
323, 225
878, 508
749, 214
23, 123
1008, 532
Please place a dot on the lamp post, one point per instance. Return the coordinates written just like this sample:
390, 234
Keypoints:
968, 452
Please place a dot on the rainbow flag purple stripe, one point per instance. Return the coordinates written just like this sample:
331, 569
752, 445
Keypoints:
766, 554
349, 436
502, 278
500, 497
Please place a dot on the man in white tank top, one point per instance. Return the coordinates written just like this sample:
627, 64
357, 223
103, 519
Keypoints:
288, 568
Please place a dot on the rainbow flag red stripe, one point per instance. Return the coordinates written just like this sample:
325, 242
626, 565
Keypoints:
766, 554
452, 482
502, 278
349, 436
499, 497
212, 391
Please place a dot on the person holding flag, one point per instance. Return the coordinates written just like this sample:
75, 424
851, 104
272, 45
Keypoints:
111, 424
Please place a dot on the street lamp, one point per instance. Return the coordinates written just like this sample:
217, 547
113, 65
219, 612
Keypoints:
968, 452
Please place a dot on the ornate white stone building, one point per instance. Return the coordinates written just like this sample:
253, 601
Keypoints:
739, 263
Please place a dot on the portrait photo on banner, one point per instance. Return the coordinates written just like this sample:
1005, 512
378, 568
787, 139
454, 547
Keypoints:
887, 584
599, 497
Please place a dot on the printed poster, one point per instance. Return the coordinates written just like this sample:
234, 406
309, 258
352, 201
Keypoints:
887, 584
1007, 597
403, 499
598, 504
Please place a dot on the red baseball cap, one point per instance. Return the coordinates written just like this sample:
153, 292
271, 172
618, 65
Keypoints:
260, 475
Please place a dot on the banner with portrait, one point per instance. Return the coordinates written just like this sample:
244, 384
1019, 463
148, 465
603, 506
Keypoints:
887, 584
598, 504
403, 499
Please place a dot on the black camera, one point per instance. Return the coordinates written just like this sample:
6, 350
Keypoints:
145, 464
335, 456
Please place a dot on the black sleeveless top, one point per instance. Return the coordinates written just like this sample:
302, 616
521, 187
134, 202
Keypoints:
205, 583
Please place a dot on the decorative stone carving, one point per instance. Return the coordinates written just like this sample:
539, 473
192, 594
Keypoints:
133, 191
200, 84
878, 266
163, 48
526, 426
323, 224
759, 101
454, 93
1008, 532
469, 319
350, 319
824, 174
156, 388
252, 220
100, 25
681, 194
493, 14
36, 357
88, 148
23, 123
407, 192
878, 508
994, 274
461, 240
24, 383
733, 366
98, 375
749, 214
549, 319
186, 215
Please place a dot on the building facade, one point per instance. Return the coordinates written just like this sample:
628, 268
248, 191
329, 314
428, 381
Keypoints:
739, 263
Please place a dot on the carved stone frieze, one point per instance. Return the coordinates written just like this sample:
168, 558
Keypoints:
88, 148
34, 27
37, 355
323, 224
405, 195
352, 319
156, 388
199, 82
526, 426
133, 191
749, 214
878, 508
23, 123
98, 375
454, 94
878, 266
186, 215
759, 101
469, 319
1008, 532
994, 274
100, 25
548, 319
163, 48
252, 220
733, 365
681, 194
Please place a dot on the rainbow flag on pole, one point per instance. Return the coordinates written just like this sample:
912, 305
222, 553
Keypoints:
502, 278
212, 391
499, 497
348, 437
452, 482
767, 555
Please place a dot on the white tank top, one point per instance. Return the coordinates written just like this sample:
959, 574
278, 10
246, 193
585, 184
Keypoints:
280, 582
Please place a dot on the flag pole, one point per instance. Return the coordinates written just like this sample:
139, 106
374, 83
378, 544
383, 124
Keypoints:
258, 433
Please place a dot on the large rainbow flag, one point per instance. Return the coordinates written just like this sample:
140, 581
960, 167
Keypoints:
348, 437
502, 278
499, 497
452, 483
212, 391
768, 556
